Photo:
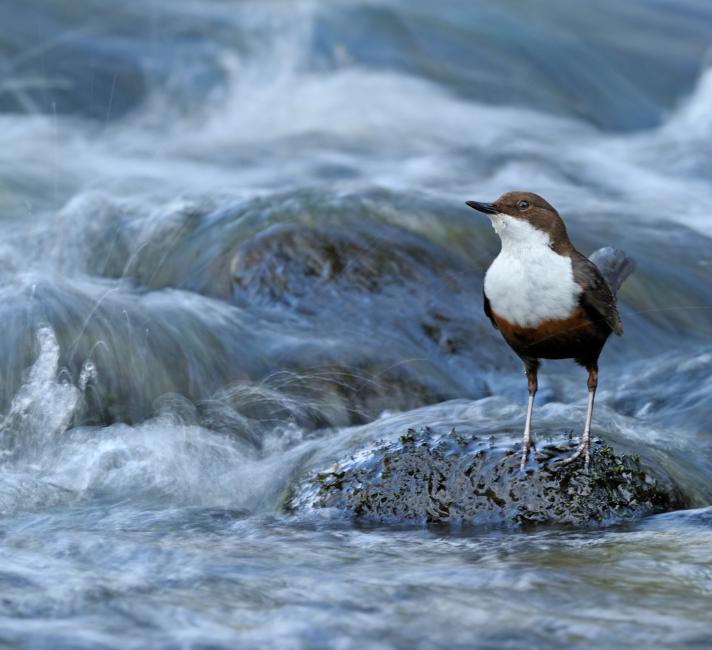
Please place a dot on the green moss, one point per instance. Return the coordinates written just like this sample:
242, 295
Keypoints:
447, 478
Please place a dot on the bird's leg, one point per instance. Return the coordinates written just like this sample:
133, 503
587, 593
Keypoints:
530, 368
585, 446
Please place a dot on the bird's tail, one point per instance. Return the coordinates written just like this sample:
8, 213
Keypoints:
615, 266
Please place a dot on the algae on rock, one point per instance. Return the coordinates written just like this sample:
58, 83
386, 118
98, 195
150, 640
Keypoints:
448, 478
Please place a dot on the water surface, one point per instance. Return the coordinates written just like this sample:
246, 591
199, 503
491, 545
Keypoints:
157, 407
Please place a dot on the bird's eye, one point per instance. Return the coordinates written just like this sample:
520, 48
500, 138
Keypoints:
523, 204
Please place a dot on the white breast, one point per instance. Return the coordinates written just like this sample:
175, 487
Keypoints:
528, 282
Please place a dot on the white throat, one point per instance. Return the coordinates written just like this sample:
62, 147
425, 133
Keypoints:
528, 283
518, 232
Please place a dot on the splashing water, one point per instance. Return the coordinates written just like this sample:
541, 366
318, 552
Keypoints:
43, 407
234, 250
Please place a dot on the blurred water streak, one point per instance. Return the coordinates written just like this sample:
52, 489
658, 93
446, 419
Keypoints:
231, 231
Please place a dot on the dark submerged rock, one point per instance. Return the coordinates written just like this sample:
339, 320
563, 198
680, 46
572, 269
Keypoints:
307, 267
454, 479
406, 312
365, 277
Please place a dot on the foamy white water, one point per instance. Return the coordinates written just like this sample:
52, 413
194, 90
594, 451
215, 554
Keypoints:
180, 184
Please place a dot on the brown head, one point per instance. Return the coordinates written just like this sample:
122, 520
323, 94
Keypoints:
514, 207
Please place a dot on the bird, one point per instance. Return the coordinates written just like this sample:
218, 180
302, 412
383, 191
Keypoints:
548, 300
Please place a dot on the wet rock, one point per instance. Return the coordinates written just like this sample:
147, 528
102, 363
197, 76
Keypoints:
393, 274
360, 315
353, 395
326, 396
447, 478
399, 300
287, 263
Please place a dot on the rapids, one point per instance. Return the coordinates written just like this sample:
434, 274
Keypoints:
234, 247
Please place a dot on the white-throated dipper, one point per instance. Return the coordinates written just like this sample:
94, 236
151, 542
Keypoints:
548, 300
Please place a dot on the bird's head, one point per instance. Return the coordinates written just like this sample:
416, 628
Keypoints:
521, 217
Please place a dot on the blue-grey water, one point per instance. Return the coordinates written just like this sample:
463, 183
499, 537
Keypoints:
160, 394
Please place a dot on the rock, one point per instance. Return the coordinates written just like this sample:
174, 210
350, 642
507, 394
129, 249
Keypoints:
321, 397
342, 395
308, 266
452, 479
405, 314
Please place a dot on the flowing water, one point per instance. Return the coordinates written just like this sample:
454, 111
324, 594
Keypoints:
167, 371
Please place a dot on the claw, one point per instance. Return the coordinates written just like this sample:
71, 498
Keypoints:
525, 455
527, 448
585, 446
584, 449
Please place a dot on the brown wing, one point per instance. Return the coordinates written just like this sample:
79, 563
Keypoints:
596, 297
488, 310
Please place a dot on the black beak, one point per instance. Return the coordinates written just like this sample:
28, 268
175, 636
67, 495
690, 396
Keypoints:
487, 208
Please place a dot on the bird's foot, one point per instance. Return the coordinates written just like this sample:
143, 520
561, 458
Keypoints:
527, 446
583, 449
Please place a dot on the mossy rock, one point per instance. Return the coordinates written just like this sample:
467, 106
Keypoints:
448, 478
